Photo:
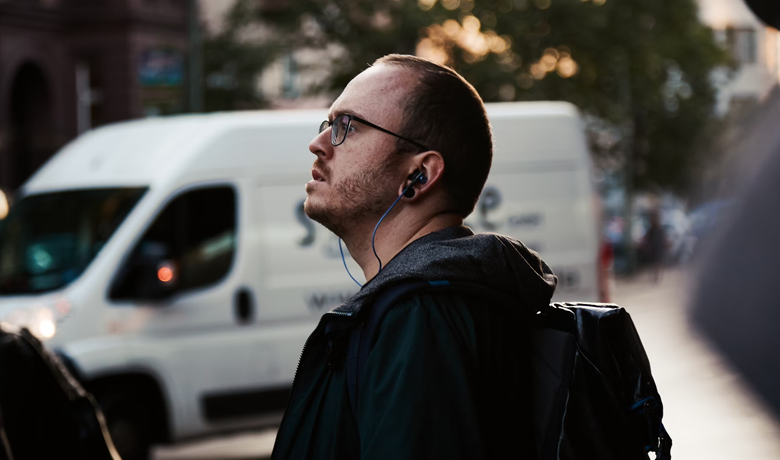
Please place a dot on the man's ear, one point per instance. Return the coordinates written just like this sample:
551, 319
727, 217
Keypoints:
431, 164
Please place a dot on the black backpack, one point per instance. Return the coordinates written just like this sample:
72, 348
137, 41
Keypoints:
44, 411
594, 395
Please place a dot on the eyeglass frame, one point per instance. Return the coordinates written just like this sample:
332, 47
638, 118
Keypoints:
327, 123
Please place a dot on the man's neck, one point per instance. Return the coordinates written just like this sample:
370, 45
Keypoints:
393, 235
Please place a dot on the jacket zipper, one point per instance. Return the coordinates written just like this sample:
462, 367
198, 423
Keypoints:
305, 344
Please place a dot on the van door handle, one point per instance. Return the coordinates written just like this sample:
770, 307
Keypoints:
244, 306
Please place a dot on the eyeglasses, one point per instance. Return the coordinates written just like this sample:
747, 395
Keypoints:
340, 127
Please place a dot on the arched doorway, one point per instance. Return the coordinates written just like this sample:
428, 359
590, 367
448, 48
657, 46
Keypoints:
32, 139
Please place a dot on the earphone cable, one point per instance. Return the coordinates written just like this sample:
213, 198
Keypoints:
345, 265
373, 237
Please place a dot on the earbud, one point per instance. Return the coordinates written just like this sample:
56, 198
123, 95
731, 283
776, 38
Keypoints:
418, 177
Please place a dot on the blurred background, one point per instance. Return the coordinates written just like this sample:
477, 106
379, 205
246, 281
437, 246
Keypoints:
680, 101
669, 90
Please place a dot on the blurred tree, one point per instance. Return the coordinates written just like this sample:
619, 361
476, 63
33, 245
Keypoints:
640, 68
233, 59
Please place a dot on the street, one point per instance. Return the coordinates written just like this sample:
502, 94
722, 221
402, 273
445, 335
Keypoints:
708, 410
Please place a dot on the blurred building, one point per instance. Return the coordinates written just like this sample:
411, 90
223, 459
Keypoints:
69, 65
754, 47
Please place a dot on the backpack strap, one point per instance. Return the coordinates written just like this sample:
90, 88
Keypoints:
664, 451
361, 338
5, 445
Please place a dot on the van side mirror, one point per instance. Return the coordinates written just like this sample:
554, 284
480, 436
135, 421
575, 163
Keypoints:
147, 275
146, 280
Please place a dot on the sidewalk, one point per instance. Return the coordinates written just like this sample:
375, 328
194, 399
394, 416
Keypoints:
708, 410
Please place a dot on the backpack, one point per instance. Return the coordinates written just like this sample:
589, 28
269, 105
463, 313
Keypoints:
594, 395
44, 412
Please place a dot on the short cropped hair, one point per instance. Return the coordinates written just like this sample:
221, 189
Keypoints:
445, 113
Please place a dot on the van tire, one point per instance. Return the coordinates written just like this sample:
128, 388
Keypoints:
135, 410
128, 423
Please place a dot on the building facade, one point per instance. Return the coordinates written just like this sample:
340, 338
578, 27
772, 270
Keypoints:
70, 65
754, 47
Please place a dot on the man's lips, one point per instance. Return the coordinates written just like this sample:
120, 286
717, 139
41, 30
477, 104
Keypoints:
317, 176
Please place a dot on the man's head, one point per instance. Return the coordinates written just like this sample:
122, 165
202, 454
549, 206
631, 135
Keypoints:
417, 100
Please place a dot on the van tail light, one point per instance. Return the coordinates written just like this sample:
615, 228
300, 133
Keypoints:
605, 263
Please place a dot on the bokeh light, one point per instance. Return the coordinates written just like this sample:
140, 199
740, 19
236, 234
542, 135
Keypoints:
165, 274
439, 44
450, 4
426, 5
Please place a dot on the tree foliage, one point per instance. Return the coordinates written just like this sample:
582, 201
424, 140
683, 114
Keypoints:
232, 64
641, 67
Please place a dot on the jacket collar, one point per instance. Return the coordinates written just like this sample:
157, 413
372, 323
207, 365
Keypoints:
395, 270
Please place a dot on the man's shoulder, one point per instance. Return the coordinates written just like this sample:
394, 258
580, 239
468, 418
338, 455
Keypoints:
440, 304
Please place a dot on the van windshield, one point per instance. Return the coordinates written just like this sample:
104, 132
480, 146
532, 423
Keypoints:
49, 239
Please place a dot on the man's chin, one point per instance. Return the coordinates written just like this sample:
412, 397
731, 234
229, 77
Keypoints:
319, 213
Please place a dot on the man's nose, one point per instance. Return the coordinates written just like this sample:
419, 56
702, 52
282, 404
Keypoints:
321, 145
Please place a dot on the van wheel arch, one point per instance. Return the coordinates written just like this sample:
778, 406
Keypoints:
138, 391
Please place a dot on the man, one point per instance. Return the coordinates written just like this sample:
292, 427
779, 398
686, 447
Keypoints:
447, 376
654, 246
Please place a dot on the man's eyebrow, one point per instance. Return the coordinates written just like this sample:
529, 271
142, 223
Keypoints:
333, 115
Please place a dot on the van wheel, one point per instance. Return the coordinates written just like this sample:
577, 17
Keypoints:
129, 428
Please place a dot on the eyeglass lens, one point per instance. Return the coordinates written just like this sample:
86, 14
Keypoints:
338, 130
339, 133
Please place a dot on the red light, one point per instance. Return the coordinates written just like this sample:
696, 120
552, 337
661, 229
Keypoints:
165, 274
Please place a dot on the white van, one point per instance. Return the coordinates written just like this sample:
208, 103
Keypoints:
170, 263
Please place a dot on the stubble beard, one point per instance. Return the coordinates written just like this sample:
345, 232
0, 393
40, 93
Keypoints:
355, 199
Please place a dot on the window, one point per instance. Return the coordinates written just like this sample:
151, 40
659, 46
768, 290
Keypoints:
89, 94
743, 45
49, 239
190, 245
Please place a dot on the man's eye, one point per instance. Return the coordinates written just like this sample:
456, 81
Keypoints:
351, 128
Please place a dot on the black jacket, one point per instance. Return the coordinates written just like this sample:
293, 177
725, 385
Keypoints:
448, 376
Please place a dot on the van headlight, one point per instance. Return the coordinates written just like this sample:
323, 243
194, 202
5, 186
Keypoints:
40, 320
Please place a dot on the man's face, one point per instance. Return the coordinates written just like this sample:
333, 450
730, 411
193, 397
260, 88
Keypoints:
359, 179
